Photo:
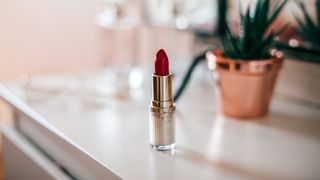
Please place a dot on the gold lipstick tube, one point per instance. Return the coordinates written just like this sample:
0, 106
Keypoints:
162, 119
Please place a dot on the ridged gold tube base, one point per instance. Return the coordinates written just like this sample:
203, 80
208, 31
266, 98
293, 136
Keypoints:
162, 135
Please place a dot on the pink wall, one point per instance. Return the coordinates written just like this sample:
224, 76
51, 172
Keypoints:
45, 36
38, 36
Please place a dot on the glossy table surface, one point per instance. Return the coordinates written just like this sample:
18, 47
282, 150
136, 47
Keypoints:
283, 145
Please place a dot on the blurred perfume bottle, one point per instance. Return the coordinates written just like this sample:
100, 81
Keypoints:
119, 21
180, 14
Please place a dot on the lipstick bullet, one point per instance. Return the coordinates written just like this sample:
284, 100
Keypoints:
162, 107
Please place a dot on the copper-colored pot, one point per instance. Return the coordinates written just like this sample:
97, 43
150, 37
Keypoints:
244, 87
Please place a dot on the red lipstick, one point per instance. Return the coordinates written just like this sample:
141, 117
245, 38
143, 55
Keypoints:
162, 107
161, 65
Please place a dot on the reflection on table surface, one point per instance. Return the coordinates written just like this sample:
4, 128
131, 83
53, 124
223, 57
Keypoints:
283, 145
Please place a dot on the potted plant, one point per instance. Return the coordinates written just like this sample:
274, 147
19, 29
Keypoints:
246, 69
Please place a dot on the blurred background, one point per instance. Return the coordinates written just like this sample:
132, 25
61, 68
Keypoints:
116, 41
49, 36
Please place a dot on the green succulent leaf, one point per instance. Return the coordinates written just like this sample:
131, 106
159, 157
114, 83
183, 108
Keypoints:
311, 26
254, 41
318, 12
277, 10
309, 30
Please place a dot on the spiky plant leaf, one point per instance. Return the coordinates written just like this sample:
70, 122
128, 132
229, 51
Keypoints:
277, 11
318, 11
311, 26
309, 30
230, 45
253, 41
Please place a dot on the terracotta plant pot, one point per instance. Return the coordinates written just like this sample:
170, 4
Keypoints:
244, 87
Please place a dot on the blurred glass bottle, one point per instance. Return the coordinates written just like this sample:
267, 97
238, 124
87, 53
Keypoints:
119, 21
